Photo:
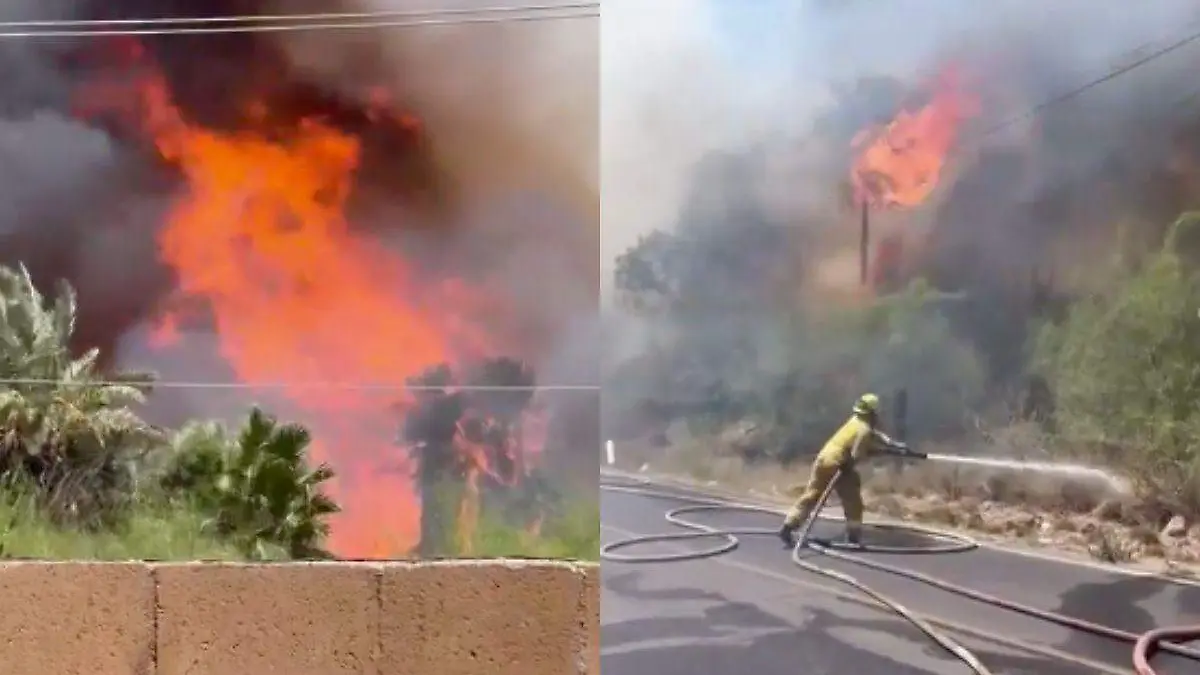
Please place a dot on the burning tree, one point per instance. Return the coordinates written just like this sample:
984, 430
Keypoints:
900, 164
736, 346
266, 247
467, 437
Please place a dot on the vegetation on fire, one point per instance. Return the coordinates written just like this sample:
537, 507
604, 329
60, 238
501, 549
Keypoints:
1110, 378
479, 496
85, 477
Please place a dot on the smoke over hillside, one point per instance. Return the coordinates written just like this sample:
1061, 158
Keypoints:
675, 96
788, 98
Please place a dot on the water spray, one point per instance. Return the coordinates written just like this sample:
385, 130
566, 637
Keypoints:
1115, 483
1166, 639
1077, 471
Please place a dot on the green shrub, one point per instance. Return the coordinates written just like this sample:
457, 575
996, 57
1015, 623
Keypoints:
1125, 370
572, 533
82, 475
148, 531
258, 489
898, 342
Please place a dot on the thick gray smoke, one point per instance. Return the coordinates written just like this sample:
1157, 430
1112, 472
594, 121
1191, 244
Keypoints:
775, 93
677, 85
513, 111
58, 214
669, 97
511, 164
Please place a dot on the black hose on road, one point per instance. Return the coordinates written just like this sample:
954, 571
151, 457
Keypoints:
943, 542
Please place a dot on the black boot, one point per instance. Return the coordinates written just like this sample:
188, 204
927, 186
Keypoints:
787, 534
854, 537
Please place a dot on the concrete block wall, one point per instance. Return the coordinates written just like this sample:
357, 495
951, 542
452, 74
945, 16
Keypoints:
449, 618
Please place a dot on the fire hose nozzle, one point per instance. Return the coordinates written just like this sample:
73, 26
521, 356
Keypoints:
903, 451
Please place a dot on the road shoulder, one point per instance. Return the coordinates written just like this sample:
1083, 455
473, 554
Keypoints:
712, 489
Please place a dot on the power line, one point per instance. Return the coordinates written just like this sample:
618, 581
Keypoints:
343, 386
1083, 88
320, 16
299, 26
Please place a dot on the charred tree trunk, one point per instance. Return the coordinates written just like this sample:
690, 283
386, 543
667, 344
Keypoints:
430, 427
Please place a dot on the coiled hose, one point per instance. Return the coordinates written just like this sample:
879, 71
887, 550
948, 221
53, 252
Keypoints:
1151, 641
1165, 639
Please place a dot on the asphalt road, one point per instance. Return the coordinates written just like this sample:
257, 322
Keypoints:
753, 611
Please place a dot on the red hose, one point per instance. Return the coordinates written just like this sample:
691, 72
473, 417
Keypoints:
1149, 643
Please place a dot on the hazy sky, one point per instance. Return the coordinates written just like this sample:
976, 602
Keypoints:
681, 78
752, 33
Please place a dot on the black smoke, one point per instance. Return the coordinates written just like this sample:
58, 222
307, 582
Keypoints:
465, 180
84, 197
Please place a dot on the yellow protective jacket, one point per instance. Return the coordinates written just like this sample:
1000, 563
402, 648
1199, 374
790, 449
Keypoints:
855, 440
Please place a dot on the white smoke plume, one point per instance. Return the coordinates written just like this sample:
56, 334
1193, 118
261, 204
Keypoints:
669, 96
737, 86
684, 78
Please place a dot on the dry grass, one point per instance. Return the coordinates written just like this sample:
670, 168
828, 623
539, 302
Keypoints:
1039, 510
1077, 515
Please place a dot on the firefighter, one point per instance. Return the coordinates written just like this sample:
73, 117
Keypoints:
856, 440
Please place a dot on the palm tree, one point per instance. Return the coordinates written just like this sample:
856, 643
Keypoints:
511, 382
431, 424
69, 428
259, 487
522, 494
440, 423
193, 462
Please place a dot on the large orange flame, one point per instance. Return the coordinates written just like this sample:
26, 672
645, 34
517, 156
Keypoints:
259, 237
900, 165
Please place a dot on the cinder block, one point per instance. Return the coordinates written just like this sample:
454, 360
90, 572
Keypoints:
589, 621
476, 618
76, 619
290, 619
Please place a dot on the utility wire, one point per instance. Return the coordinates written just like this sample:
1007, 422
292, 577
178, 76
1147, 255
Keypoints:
300, 22
320, 16
1081, 89
344, 386
300, 26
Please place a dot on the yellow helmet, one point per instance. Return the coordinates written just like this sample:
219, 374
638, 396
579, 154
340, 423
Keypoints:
867, 404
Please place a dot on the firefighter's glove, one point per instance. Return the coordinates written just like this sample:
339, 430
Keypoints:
901, 449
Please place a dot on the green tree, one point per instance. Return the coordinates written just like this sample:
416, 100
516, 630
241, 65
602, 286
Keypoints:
1125, 371
910, 344
258, 488
65, 426
646, 275
898, 342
